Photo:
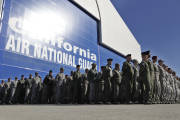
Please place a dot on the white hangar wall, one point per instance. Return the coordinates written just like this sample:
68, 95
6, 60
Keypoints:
115, 33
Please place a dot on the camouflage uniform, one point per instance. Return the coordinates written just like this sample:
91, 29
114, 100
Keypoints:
144, 77
127, 80
116, 80
92, 74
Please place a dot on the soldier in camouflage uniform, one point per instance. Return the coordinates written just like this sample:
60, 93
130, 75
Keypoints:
7, 91
100, 87
77, 78
13, 90
60, 77
144, 77
116, 80
28, 85
107, 75
162, 80
36, 81
157, 84
2, 91
48, 89
136, 85
84, 86
127, 78
92, 77
151, 68
20, 92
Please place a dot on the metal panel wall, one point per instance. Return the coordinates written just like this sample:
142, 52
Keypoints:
42, 35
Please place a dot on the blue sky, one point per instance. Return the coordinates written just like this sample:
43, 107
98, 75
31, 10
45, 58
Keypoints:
156, 26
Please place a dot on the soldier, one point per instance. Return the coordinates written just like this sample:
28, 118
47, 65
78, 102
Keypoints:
28, 86
92, 74
77, 78
67, 87
166, 85
7, 91
84, 86
60, 77
127, 78
174, 79
144, 78
100, 94
21, 90
151, 68
107, 75
48, 90
162, 80
2, 91
71, 86
13, 90
157, 84
36, 81
136, 86
116, 80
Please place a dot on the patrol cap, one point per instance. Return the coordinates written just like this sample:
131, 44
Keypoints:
128, 55
50, 71
93, 64
117, 65
16, 78
160, 60
109, 59
154, 57
77, 65
143, 53
36, 73
22, 75
148, 52
61, 68
102, 67
134, 61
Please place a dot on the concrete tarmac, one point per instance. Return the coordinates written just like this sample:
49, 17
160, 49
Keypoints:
90, 112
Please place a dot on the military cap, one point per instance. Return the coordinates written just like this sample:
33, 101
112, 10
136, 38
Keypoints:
16, 78
50, 71
117, 64
22, 75
143, 53
128, 55
61, 68
77, 65
154, 57
160, 60
134, 61
148, 52
93, 64
109, 59
36, 72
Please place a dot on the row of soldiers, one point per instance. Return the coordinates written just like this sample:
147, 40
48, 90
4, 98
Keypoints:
144, 83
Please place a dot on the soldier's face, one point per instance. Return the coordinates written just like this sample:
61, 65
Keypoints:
109, 62
144, 57
86, 71
93, 66
50, 73
78, 68
154, 60
160, 63
30, 76
118, 67
129, 58
62, 70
